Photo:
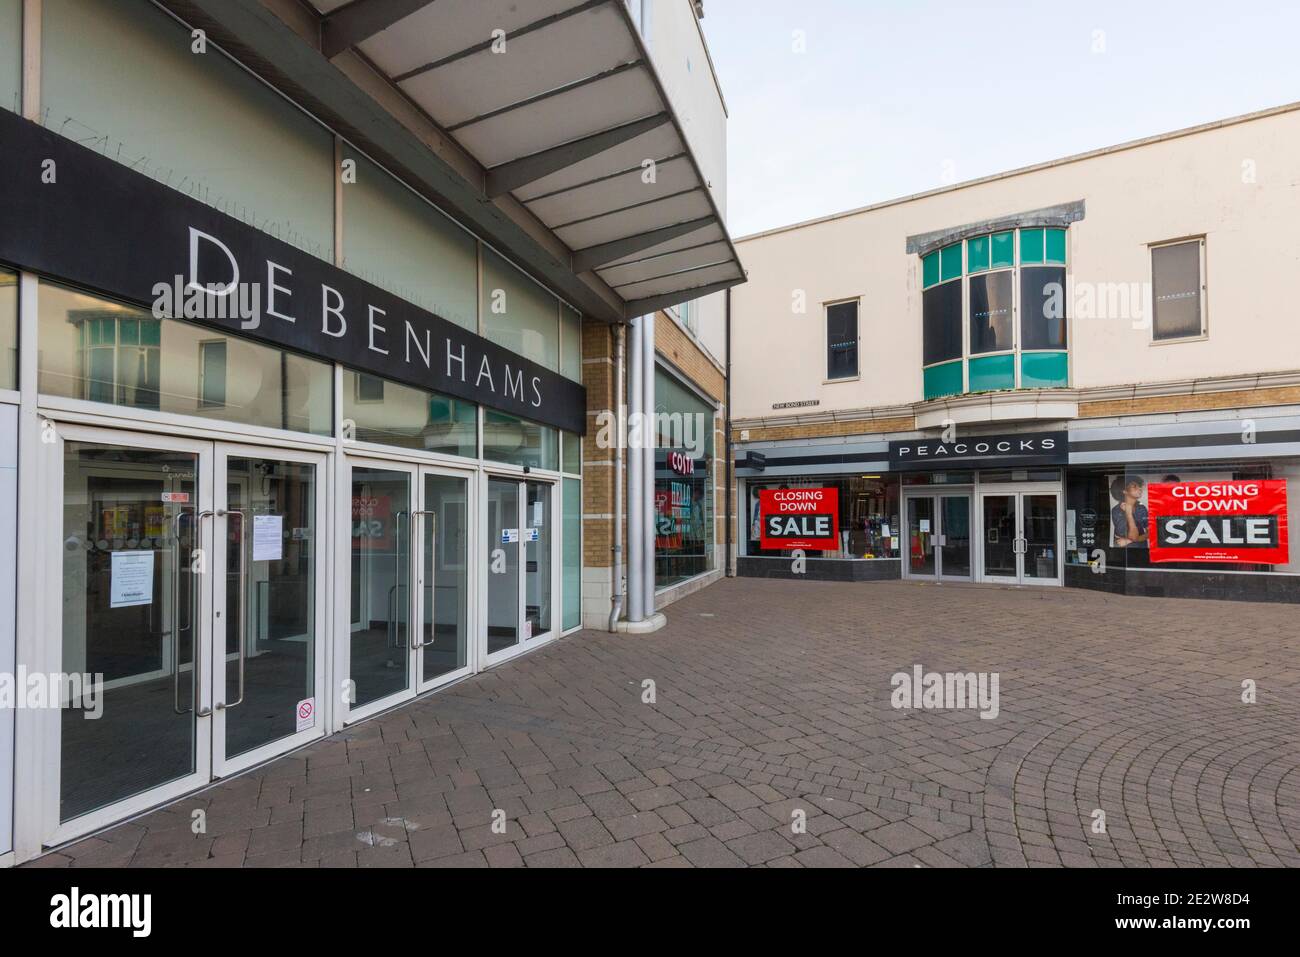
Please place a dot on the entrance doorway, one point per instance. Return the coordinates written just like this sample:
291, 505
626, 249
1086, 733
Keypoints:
520, 565
938, 536
193, 583
409, 588
1020, 531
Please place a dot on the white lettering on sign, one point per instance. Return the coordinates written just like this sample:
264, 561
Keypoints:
1258, 531
681, 463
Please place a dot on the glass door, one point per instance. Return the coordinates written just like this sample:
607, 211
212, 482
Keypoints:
520, 564
921, 537
192, 600
444, 528
1021, 537
136, 519
269, 675
954, 537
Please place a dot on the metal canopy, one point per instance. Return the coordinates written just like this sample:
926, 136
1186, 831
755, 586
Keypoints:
560, 103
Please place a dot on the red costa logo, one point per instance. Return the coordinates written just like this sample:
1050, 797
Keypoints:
681, 463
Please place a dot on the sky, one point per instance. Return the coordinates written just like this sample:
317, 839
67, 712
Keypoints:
892, 97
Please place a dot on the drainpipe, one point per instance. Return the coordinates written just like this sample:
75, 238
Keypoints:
635, 486
648, 463
616, 594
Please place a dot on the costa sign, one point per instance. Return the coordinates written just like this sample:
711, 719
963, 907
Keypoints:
980, 451
1238, 521
681, 463
806, 518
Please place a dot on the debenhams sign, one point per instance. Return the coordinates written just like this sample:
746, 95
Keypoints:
70, 213
980, 451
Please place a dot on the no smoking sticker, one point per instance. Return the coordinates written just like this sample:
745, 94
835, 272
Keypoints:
306, 714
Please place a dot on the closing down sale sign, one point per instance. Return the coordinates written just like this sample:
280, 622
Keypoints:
806, 518
1240, 521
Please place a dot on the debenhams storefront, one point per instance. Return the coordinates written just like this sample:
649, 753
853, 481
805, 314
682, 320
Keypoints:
263, 497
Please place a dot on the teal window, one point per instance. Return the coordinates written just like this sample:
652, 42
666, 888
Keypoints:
1002, 326
571, 543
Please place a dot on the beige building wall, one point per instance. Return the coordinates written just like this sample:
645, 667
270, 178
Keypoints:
1235, 183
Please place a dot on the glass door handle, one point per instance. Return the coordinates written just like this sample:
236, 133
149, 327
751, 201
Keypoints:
195, 667
417, 644
243, 601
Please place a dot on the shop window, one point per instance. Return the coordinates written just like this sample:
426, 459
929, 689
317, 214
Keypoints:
842, 340
11, 55
515, 441
571, 453
391, 413
941, 308
518, 314
683, 496
868, 518
1178, 290
8, 330
102, 351
212, 130
401, 243
571, 545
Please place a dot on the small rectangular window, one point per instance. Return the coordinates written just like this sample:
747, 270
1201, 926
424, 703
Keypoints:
1177, 290
842, 340
212, 374
370, 388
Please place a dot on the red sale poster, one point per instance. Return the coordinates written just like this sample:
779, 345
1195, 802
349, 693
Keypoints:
806, 518
1239, 520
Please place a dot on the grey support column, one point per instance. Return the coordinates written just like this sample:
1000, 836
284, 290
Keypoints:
632, 445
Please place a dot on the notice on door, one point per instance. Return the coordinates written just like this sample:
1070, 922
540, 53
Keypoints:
305, 714
268, 538
1241, 521
806, 518
132, 579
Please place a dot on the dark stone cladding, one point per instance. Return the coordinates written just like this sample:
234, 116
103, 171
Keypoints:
819, 569
1225, 586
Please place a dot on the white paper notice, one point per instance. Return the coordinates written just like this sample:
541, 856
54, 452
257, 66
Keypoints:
925, 524
306, 714
884, 530
268, 538
132, 579
532, 534
537, 513
509, 535
528, 629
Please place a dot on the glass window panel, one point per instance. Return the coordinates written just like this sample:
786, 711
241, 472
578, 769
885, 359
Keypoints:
842, 340
570, 344
572, 559
447, 528
1176, 278
990, 312
407, 417
977, 254
211, 130
536, 538
1003, 249
508, 438
941, 322
930, 270
1042, 307
571, 452
502, 564
519, 314
396, 240
1031, 245
683, 511
950, 262
212, 373
160, 365
11, 55
8, 330
1055, 246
